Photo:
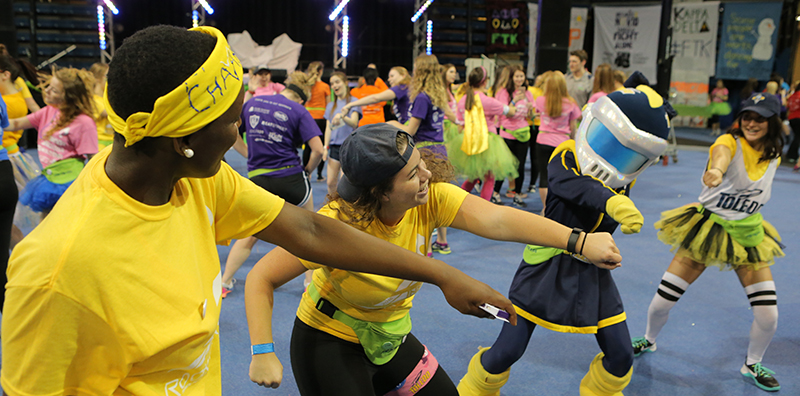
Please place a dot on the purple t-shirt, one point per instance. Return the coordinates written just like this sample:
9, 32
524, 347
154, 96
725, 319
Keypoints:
342, 131
400, 105
276, 128
431, 127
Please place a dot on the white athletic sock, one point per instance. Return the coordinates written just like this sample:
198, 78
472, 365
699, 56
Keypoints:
669, 291
765, 318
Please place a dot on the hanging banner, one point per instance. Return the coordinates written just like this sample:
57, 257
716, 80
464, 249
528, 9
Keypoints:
577, 27
505, 26
694, 36
627, 38
747, 46
533, 27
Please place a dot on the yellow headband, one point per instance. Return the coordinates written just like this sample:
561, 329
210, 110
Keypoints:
201, 99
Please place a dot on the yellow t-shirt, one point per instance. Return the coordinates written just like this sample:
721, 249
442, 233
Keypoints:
20, 85
536, 92
755, 169
105, 132
109, 296
17, 108
378, 298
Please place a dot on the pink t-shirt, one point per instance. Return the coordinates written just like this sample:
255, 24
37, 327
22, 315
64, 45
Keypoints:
717, 94
595, 96
272, 88
519, 120
555, 131
76, 140
491, 108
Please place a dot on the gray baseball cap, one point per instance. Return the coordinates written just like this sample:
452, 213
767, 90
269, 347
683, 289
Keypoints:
369, 157
765, 104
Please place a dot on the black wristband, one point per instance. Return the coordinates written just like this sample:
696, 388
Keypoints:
573, 239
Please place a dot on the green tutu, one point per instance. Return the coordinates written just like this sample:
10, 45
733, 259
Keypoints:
497, 159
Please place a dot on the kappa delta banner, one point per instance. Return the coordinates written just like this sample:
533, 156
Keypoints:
505, 25
747, 46
694, 36
627, 38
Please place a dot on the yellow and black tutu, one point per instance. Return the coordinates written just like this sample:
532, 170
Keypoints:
698, 234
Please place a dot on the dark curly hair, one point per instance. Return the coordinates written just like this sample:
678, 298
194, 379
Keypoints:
361, 213
153, 62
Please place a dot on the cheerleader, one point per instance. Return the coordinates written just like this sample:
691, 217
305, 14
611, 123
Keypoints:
726, 230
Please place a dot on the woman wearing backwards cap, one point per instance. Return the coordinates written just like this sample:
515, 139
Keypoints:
352, 334
725, 229
118, 291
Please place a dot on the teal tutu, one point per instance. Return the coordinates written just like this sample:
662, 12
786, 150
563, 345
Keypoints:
497, 159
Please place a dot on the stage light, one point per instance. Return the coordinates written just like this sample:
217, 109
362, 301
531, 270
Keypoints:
101, 26
421, 10
345, 33
338, 9
430, 37
207, 6
195, 18
111, 7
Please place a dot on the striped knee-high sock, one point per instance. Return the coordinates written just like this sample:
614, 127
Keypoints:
765, 318
669, 291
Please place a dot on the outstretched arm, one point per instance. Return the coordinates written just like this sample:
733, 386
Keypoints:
503, 223
717, 165
18, 123
371, 99
327, 241
273, 270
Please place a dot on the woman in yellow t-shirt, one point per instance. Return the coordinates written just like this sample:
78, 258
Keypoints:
352, 332
122, 282
105, 132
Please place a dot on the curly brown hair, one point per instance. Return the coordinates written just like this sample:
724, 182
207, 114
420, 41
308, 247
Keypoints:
428, 79
77, 97
364, 210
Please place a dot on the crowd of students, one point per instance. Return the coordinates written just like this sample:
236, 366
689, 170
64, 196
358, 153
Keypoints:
141, 218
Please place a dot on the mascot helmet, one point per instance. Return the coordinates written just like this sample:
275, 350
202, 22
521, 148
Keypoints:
621, 135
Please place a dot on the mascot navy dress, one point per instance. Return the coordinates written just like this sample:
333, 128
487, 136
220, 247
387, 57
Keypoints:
621, 135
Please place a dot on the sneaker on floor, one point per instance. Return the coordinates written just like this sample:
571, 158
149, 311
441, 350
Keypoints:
496, 199
320, 178
761, 376
532, 189
518, 202
430, 254
227, 288
641, 345
511, 194
522, 195
442, 248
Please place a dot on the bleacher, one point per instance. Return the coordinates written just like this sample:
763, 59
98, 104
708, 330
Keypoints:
450, 34
58, 26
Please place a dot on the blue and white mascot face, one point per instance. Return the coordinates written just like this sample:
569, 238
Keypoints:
621, 135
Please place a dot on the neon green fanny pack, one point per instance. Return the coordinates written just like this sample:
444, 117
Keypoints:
64, 171
256, 172
522, 134
749, 232
380, 340
535, 254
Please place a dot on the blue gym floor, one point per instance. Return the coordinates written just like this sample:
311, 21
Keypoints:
699, 351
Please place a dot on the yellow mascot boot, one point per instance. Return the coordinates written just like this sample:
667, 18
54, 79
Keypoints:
599, 382
478, 382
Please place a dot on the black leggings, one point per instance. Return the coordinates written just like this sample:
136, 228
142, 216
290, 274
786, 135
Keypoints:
543, 153
793, 154
534, 163
614, 341
327, 365
520, 150
8, 204
307, 149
